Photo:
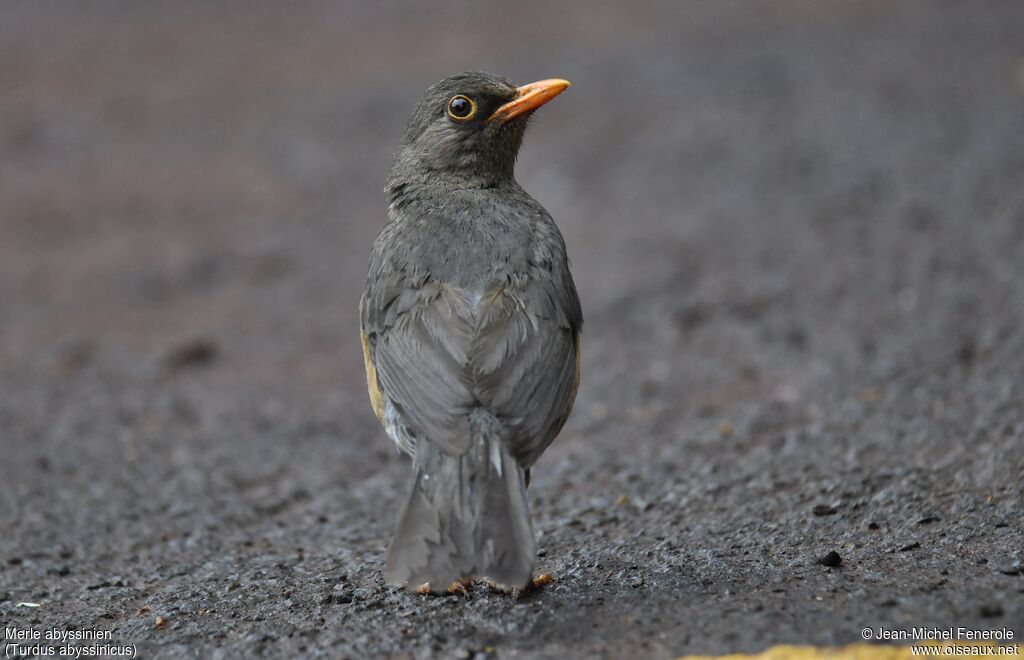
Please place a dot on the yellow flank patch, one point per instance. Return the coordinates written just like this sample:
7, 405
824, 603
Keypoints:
876, 652
376, 396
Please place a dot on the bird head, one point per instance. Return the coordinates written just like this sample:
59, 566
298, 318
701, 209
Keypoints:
467, 129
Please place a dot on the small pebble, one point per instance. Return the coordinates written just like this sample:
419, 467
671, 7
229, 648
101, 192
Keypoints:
194, 353
832, 559
991, 611
1008, 568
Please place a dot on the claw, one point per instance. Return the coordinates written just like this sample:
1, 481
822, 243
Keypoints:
423, 589
491, 584
537, 582
460, 587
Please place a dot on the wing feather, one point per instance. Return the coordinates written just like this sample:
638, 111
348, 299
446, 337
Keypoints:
437, 351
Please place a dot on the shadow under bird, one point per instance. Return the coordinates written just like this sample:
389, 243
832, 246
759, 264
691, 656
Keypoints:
470, 326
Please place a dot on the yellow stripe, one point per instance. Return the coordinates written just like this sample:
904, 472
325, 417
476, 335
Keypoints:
875, 652
376, 395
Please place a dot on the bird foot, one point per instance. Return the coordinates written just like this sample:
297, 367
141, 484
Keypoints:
503, 588
537, 582
460, 587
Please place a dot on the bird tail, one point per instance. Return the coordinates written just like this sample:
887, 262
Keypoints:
466, 516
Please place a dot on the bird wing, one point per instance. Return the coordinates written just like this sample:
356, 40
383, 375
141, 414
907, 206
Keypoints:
437, 353
525, 361
416, 343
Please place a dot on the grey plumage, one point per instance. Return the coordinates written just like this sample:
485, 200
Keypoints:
470, 323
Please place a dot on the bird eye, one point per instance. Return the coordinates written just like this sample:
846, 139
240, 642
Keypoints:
461, 108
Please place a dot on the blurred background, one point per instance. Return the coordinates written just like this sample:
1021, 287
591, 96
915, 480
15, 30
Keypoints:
797, 229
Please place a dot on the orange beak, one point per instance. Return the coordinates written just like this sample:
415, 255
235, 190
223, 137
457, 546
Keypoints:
529, 98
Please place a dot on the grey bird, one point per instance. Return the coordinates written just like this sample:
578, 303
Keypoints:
470, 325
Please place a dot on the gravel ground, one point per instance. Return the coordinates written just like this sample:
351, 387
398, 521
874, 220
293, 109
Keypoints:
798, 233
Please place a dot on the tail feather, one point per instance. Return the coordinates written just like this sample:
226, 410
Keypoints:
466, 516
